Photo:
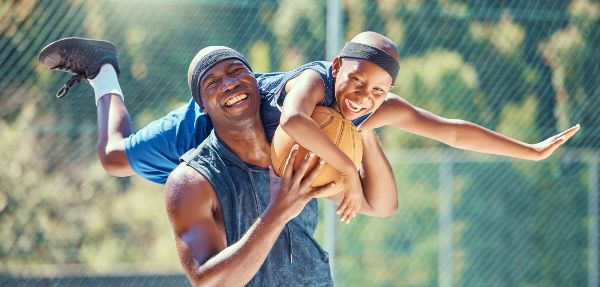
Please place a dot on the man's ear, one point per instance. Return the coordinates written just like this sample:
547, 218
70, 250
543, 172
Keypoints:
200, 103
336, 65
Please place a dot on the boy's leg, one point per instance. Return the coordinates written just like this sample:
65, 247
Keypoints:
96, 61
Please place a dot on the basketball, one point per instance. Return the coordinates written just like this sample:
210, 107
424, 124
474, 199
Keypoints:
339, 130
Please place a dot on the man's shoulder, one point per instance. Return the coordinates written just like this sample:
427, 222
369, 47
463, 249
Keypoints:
310, 81
185, 184
317, 64
189, 198
321, 67
183, 174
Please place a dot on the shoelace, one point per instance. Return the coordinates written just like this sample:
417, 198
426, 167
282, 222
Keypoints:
65, 88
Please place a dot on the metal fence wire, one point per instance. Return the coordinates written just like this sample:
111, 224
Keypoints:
527, 69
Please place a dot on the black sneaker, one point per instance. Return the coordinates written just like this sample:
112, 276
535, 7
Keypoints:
79, 56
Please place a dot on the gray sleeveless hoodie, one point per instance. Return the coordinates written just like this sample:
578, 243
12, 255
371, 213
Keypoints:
243, 192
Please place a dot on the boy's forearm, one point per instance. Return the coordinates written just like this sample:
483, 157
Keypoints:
470, 136
308, 135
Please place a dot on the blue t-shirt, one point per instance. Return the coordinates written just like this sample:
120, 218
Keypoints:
154, 151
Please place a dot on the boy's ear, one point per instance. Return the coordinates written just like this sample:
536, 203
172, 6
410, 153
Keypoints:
335, 66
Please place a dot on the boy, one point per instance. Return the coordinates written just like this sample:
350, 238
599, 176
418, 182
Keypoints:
356, 83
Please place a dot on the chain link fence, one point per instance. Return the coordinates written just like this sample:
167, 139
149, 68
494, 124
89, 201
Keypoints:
527, 69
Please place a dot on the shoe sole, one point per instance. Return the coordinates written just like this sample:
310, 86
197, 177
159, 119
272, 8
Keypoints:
74, 41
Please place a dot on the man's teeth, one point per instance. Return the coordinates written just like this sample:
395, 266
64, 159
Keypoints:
353, 106
235, 100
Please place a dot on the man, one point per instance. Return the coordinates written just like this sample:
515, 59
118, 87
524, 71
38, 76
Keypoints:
228, 226
218, 201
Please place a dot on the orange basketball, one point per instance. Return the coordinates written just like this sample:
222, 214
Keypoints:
339, 130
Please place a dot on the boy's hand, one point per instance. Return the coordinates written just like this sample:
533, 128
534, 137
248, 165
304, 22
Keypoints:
546, 148
352, 196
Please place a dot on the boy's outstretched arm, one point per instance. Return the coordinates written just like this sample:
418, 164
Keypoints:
304, 93
399, 113
379, 186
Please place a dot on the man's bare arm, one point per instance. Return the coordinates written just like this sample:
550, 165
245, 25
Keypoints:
200, 241
192, 206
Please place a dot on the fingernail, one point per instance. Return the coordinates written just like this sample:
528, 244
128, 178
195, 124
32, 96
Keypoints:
311, 155
321, 162
333, 184
337, 212
295, 147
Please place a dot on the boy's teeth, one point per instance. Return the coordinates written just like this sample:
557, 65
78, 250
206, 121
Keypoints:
235, 99
354, 107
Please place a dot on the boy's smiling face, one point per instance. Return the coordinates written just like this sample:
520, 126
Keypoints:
360, 86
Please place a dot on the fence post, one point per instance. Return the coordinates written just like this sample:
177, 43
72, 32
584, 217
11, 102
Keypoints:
593, 221
445, 262
332, 43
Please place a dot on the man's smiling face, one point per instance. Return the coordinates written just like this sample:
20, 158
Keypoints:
229, 93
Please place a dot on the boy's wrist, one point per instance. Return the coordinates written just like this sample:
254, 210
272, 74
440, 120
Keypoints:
533, 152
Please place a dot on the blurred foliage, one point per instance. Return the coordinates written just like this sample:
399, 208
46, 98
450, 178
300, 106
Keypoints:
75, 214
527, 69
